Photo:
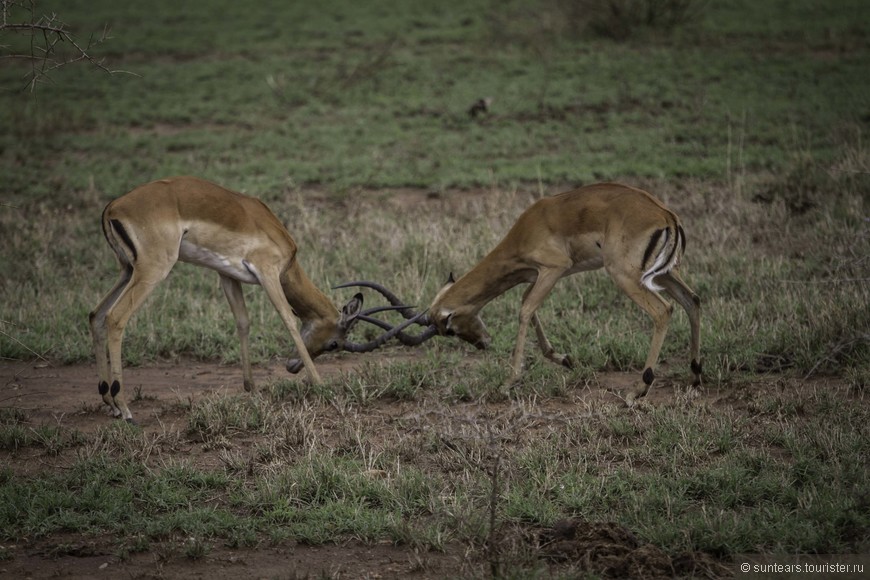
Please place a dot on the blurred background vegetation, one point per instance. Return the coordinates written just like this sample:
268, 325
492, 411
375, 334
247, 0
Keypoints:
747, 118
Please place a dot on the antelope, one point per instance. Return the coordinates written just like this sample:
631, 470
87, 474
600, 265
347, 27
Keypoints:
628, 232
192, 220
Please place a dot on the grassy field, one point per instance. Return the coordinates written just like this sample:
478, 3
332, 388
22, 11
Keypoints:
351, 121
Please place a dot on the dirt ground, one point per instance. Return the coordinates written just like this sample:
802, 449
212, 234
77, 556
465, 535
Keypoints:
67, 395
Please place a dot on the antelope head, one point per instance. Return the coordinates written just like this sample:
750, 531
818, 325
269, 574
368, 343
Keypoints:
462, 320
327, 338
322, 335
441, 319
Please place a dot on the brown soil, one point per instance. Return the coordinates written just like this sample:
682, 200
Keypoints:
68, 394
55, 394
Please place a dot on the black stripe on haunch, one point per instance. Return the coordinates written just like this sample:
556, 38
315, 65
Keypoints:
671, 255
119, 227
651, 247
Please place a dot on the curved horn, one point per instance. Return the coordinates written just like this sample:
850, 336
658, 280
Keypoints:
406, 339
379, 341
294, 365
376, 309
405, 311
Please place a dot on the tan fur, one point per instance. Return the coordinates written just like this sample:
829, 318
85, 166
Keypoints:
604, 225
193, 220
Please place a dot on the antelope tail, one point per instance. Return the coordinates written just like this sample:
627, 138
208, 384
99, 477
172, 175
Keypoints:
662, 255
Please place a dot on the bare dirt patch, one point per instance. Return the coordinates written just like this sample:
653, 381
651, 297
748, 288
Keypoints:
611, 550
67, 396
89, 558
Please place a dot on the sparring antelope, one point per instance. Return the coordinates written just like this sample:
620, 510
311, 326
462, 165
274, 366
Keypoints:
192, 220
627, 231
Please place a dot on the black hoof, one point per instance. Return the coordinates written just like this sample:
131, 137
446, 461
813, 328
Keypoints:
568, 362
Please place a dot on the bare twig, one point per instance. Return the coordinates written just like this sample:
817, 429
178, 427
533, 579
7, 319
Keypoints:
22, 395
837, 349
492, 544
46, 32
492, 472
33, 352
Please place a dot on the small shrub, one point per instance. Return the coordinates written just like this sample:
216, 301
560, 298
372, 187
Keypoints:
536, 26
620, 19
801, 189
196, 548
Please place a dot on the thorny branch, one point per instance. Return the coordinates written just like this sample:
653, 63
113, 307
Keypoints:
46, 33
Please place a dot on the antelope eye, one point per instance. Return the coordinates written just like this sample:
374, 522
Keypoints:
332, 345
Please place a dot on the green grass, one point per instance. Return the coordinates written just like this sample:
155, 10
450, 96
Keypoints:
749, 120
328, 96
784, 474
360, 104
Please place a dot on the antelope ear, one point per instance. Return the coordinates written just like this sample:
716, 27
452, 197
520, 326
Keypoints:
451, 279
350, 312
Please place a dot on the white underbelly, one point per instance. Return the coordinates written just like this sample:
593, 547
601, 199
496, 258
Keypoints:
206, 258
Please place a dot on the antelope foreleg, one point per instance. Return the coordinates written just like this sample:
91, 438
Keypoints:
546, 348
532, 299
272, 285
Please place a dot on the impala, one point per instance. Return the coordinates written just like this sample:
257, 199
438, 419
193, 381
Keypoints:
192, 220
627, 231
